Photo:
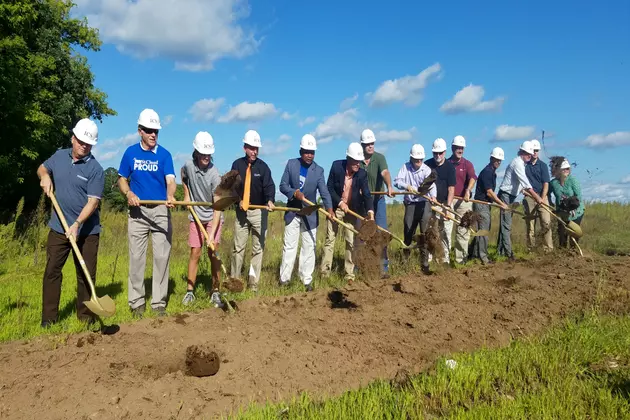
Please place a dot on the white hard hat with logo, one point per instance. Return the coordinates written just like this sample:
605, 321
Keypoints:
439, 145
204, 143
86, 131
417, 151
535, 144
527, 147
355, 151
149, 119
308, 142
367, 136
252, 138
498, 153
459, 141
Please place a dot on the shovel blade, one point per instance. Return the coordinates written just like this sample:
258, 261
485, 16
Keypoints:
480, 233
308, 210
224, 202
101, 306
574, 229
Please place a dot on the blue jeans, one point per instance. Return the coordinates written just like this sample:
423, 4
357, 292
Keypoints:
380, 217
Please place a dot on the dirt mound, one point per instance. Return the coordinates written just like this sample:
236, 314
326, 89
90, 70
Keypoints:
201, 361
234, 285
431, 238
324, 342
368, 255
470, 219
230, 182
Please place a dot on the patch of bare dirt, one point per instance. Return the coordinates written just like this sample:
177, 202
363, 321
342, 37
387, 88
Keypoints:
323, 342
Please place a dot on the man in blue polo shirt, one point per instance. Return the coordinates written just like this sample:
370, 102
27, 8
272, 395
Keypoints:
538, 174
78, 181
150, 168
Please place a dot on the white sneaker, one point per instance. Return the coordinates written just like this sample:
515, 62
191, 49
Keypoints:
189, 298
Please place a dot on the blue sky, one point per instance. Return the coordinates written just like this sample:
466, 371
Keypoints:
495, 72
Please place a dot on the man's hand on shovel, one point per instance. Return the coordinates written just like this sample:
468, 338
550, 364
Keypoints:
331, 213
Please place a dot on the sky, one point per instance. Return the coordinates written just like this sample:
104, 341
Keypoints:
496, 72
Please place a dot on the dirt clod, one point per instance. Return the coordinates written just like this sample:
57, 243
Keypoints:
368, 255
180, 319
339, 300
470, 219
234, 285
201, 361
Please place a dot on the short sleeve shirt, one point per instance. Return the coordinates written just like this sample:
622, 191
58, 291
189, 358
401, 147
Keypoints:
445, 178
487, 180
201, 183
148, 170
464, 172
74, 182
537, 174
374, 171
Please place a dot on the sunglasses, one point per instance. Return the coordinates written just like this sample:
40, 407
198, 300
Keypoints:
149, 130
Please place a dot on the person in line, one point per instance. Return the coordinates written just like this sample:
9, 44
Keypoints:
348, 187
486, 184
445, 184
514, 182
257, 188
77, 180
465, 181
200, 179
417, 209
538, 175
567, 194
146, 172
375, 165
302, 178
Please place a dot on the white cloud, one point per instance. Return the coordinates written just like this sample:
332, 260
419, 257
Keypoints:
619, 138
625, 179
246, 111
343, 124
469, 99
395, 135
286, 116
605, 192
306, 121
167, 120
407, 89
193, 33
284, 137
181, 157
206, 109
105, 156
270, 148
347, 103
511, 132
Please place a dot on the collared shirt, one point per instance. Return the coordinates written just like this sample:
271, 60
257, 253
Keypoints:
515, 178
537, 174
487, 181
74, 182
464, 172
446, 178
148, 170
262, 188
201, 183
409, 176
374, 168
347, 188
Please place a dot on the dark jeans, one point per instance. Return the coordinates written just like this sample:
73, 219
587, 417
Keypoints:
479, 246
563, 237
57, 249
380, 217
417, 214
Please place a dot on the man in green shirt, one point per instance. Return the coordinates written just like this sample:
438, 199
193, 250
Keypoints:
377, 173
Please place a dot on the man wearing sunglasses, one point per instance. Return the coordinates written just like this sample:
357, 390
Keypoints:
149, 168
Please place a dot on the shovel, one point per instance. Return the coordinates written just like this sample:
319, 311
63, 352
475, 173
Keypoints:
220, 204
363, 219
574, 230
305, 211
101, 306
439, 211
336, 219
493, 205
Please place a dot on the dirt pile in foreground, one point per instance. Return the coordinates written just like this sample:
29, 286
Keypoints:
273, 348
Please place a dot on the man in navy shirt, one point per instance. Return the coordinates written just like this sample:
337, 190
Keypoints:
538, 174
78, 180
150, 168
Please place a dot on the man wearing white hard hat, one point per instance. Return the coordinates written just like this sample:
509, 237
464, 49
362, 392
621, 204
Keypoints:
146, 172
486, 184
375, 165
302, 178
77, 180
200, 179
348, 187
445, 184
465, 181
538, 175
417, 209
257, 188
514, 182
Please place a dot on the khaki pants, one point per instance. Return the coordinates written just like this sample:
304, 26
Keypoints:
329, 246
462, 236
254, 222
544, 225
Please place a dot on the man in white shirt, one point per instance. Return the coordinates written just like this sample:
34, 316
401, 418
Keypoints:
514, 182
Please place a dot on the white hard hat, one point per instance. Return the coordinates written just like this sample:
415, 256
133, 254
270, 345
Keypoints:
252, 138
498, 153
149, 119
527, 147
308, 142
86, 131
459, 141
367, 136
417, 151
204, 143
565, 165
355, 151
535, 144
439, 145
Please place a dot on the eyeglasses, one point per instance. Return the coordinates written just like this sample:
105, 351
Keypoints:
149, 130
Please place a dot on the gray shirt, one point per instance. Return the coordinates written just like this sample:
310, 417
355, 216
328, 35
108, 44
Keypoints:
201, 184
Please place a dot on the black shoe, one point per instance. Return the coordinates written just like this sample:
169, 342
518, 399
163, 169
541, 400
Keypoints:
48, 323
426, 270
385, 276
138, 312
161, 311
488, 262
309, 287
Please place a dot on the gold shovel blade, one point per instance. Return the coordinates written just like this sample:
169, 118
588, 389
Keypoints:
101, 306
574, 229
480, 233
224, 202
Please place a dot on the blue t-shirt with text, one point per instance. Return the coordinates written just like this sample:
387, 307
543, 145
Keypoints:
148, 170
303, 173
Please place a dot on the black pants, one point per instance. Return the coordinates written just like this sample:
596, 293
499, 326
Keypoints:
417, 214
563, 236
57, 249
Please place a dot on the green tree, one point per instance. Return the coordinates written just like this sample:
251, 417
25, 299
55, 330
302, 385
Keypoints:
112, 197
46, 86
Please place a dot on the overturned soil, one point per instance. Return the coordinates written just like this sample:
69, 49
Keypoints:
324, 342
